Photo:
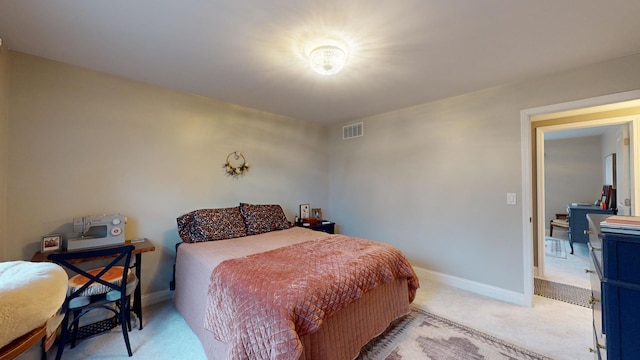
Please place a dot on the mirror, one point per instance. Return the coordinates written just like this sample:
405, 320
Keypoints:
610, 170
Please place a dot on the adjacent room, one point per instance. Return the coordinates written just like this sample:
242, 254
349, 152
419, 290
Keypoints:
575, 165
455, 137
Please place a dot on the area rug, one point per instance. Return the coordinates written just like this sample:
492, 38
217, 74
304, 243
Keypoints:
555, 247
563, 292
422, 335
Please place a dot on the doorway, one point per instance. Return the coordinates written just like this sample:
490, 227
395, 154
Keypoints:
622, 108
573, 162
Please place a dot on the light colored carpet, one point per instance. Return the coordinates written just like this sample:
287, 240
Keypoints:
165, 336
556, 329
571, 269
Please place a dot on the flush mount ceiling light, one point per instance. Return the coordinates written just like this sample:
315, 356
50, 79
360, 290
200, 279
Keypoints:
327, 59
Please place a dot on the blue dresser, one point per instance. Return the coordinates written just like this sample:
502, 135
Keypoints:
578, 224
615, 281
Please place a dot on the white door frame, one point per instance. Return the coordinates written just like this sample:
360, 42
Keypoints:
526, 158
632, 120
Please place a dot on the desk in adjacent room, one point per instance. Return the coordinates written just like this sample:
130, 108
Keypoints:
140, 247
578, 224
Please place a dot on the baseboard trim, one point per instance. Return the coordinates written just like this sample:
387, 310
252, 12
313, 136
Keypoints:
156, 297
472, 286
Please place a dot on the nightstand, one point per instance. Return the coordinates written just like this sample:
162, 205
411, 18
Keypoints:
328, 228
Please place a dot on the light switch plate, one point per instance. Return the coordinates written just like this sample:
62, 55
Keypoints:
511, 198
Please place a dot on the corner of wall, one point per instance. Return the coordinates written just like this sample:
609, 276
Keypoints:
4, 146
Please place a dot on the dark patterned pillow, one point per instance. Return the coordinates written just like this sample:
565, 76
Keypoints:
184, 224
212, 224
263, 218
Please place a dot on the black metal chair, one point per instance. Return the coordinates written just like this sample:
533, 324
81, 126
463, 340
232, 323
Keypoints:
96, 292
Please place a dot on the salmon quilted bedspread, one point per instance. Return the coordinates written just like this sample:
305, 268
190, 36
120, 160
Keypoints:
263, 303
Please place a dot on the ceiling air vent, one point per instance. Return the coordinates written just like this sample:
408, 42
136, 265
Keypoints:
352, 131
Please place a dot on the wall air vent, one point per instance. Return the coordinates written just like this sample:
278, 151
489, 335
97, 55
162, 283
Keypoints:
352, 131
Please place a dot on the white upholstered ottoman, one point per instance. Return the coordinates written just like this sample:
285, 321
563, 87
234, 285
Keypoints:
30, 294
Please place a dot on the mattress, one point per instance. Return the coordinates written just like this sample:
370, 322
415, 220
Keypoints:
340, 337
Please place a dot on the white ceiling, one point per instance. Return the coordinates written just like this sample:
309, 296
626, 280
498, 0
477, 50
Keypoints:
252, 53
575, 133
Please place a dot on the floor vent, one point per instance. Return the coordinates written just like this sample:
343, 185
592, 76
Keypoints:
352, 131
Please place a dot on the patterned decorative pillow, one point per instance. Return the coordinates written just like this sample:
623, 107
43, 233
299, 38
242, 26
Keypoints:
212, 224
263, 218
184, 224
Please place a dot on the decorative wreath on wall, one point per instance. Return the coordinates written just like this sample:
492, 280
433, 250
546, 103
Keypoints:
236, 164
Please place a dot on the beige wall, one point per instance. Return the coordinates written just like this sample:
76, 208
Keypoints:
4, 144
432, 179
573, 172
84, 142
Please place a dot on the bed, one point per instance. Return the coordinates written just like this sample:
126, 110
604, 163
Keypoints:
224, 242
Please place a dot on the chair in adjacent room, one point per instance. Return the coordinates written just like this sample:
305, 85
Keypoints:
561, 221
97, 288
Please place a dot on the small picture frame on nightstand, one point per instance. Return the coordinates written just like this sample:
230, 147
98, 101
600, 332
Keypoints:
316, 213
305, 211
51, 243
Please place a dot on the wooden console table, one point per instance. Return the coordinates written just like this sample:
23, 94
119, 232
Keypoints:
140, 247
